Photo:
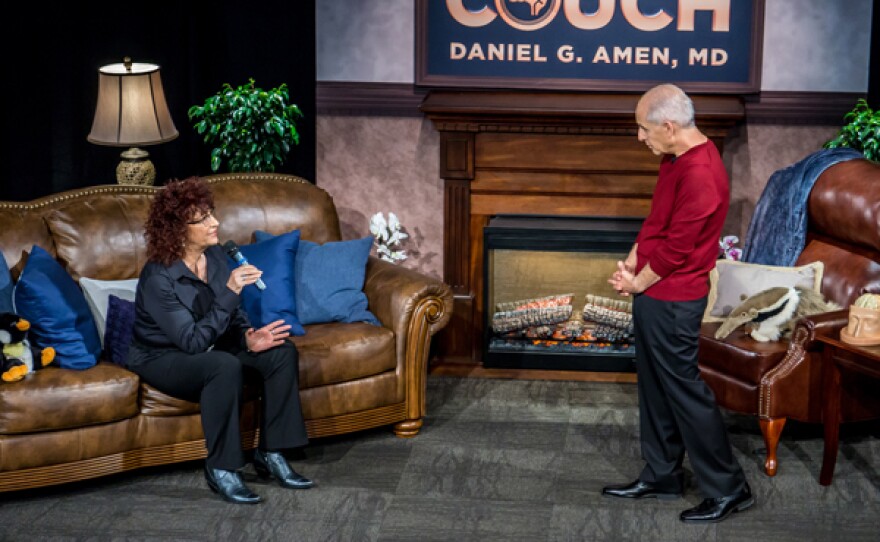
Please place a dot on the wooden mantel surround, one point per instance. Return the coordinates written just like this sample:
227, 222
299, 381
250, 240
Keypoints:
527, 152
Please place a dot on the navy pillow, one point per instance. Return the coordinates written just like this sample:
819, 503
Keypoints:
277, 302
120, 329
50, 300
330, 281
5, 286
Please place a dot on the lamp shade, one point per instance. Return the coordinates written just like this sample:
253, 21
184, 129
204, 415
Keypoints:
131, 108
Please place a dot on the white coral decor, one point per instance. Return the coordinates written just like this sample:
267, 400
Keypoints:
388, 236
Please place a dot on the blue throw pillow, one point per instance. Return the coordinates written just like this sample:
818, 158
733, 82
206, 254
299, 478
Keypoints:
330, 281
120, 329
49, 298
5, 286
273, 256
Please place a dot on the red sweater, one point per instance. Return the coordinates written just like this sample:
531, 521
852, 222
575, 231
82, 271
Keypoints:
680, 236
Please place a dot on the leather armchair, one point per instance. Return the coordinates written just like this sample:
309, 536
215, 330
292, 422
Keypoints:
782, 380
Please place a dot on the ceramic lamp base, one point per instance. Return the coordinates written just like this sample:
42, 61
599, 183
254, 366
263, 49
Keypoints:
136, 168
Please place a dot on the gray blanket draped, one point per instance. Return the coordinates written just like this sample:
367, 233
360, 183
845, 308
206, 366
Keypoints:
777, 232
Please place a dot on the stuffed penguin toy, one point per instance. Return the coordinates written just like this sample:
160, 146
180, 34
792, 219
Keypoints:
18, 357
772, 313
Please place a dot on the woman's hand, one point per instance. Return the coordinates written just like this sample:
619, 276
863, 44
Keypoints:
242, 276
268, 336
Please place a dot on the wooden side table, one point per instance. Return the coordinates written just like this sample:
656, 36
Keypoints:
837, 355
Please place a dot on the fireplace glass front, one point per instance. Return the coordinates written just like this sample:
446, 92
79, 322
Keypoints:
547, 301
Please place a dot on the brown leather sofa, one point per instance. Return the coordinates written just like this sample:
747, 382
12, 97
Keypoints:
62, 425
782, 380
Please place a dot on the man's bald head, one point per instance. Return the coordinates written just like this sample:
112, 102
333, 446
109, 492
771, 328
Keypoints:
667, 103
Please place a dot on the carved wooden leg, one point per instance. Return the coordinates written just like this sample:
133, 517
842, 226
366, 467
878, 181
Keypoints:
771, 429
408, 428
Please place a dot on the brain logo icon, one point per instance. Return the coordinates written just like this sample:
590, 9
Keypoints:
527, 15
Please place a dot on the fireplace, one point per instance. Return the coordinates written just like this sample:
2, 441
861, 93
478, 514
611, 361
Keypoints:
537, 153
547, 301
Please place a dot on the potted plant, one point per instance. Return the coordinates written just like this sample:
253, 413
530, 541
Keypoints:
249, 129
861, 133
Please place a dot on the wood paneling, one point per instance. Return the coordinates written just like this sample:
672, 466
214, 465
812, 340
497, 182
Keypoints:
457, 155
404, 99
569, 183
560, 205
564, 152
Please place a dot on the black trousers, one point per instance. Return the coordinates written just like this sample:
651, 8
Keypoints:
214, 379
677, 410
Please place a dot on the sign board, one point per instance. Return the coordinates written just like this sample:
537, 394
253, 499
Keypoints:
608, 45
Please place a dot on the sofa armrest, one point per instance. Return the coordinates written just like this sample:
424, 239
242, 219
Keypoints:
415, 307
793, 366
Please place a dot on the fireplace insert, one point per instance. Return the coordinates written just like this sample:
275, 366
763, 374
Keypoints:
547, 303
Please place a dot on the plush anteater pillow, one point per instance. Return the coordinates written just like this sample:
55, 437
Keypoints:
771, 313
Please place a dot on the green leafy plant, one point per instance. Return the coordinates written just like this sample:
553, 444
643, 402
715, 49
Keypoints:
249, 129
862, 132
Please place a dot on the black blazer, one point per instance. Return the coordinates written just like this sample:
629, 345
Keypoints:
174, 310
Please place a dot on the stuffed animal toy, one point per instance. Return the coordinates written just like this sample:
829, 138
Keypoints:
772, 313
18, 357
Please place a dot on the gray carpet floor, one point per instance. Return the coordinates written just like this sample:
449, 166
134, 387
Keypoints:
506, 460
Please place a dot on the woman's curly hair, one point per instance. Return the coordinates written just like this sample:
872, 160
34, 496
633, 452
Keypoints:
172, 207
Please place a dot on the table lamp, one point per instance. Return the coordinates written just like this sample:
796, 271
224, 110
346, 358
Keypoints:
131, 112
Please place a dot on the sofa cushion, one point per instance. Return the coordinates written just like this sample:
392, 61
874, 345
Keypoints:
274, 256
54, 398
101, 236
49, 298
328, 354
330, 280
339, 352
120, 329
97, 294
731, 282
157, 403
5, 286
739, 356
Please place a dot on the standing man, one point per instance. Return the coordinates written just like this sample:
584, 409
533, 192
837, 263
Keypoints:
667, 273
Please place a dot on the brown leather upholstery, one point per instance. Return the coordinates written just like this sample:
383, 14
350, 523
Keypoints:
61, 425
56, 399
782, 380
334, 353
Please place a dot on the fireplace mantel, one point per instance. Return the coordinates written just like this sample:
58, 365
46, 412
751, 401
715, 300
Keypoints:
543, 153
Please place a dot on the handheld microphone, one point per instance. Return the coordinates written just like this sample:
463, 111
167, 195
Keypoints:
232, 250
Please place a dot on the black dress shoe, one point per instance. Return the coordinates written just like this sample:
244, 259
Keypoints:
717, 509
639, 490
273, 463
230, 486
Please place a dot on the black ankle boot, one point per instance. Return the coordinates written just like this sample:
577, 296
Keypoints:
273, 463
230, 486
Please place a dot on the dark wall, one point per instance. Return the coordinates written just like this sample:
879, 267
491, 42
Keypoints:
53, 53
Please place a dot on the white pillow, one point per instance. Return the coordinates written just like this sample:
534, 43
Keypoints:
731, 282
97, 293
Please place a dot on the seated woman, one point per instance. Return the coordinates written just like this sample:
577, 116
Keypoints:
193, 341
